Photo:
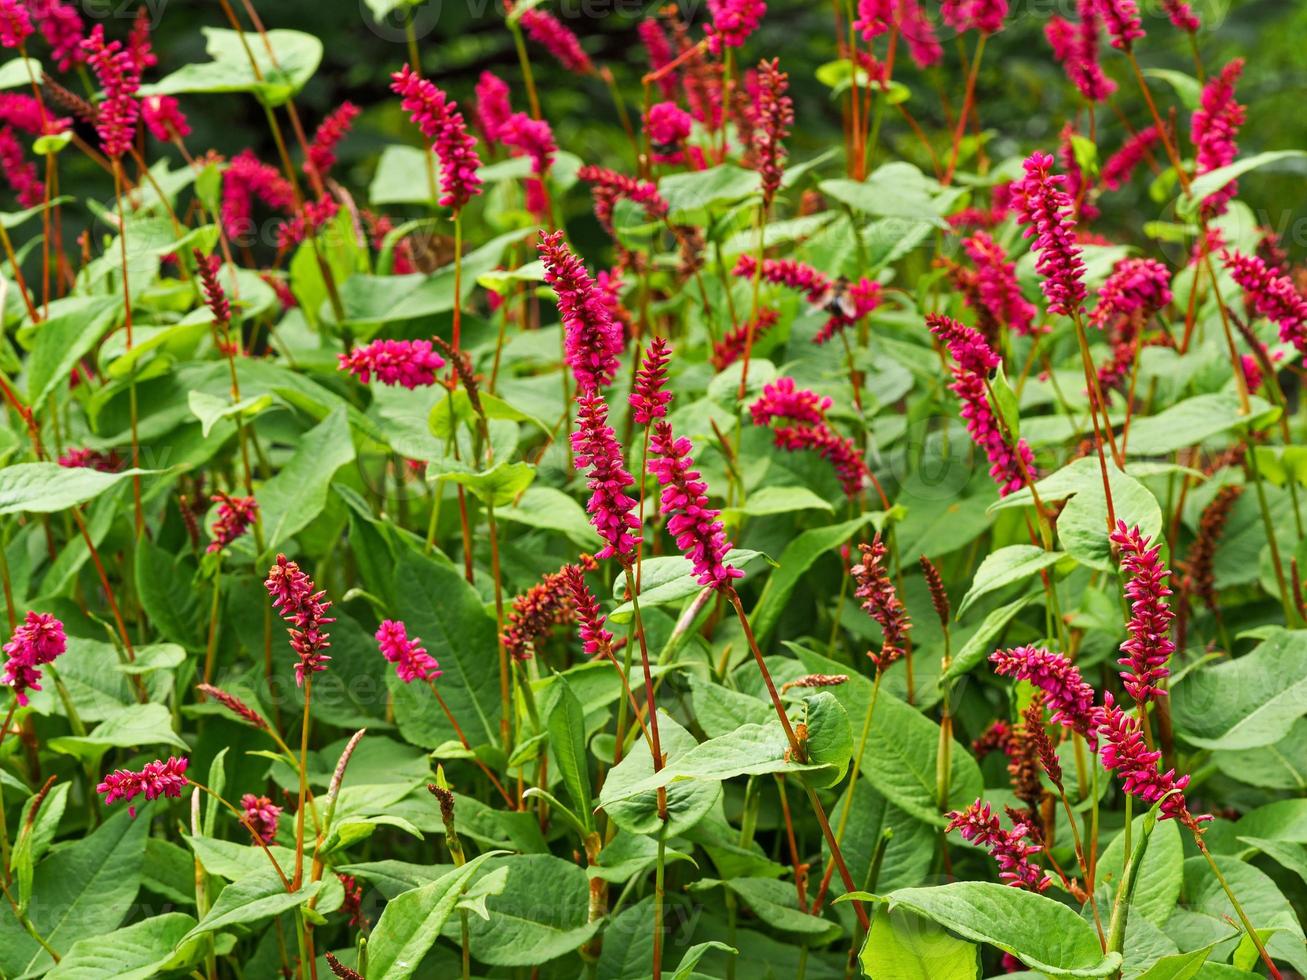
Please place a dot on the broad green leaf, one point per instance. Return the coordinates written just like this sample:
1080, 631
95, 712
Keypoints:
1279, 766
767, 501
170, 595
71, 331
83, 890
1288, 854
136, 952
297, 56
1187, 87
252, 899
401, 176
1282, 820
550, 509
776, 903
904, 946
1160, 874
1263, 902
690, 192
137, 724
566, 728
410, 923
20, 72
44, 488
498, 486
1248, 702
1209, 183
1178, 966
982, 642
799, 556
635, 810
541, 914
670, 578
893, 190
685, 970
209, 408
1007, 566
1044, 934
909, 842
298, 492
1195, 421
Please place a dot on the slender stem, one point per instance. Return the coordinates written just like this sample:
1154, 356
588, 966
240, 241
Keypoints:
1243, 916
967, 103
127, 325
304, 783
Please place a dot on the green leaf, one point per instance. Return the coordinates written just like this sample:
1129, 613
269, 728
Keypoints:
298, 492
137, 724
1194, 421
1209, 183
1264, 903
44, 488
252, 899
75, 325
410, 923
401, 176
1044, 934
1248, 702
169, 594
19, 72
209, 409
635, 809
690, 192
981, 643
1187, 87
1007, 566
1288, 854
551, 509
685, 970
893, 190
136, 952
799, 556
904, 946
768, 501
1157, 887
776, 903
297, 57
83, 890
566, 729
498, 485
541, 914
670, 578
1178, 966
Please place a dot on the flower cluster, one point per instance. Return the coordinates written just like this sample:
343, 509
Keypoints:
1213, 128
550, 33
313, 216
1273, 296
773, 115
973, 361
593, 341
409, 363
1182, 15
1075, 45
119, 75
881, 601
215, 297
986, 16
300, 603
668, 127
233, 704
235, 515
810, 430
730, 348
36, 642
15, 24
155, 779
608, 187
595, 447
411, 660
92, 459
164, 118
1136, 287
732, 22
1068, 697
439, 120
782, 399
1149, 645
696, 526
660, 52
589, 620
1122, 20
1046, 209
1124, 752
1119, 167
61, 26
261, 816
649, 399
248, 178
997, 291
19, 172
790, 273
322, 151
981, 826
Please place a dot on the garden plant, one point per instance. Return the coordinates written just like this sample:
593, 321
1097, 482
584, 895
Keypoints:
687, 492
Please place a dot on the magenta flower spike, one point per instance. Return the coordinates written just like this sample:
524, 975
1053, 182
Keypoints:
262, 815
246, 179
37, 641
439, 120
407, 363
781, 399
1136, 287
1046, 209
996, 284
61, 26
985, 16
1076, 46
120, 77
1182, 15
1213, 129
1149, 645
595, 448
1273, 296
19, 172
1121, 18
235, 516
558, 39
299, 602
593, 341
411, 660
15, 24
164, 118
881, 601
322, 151
1123, 163
155, 779
732, 22
695, 525
659, 50
1123, 751
979, 825
650, 398
589, 620
773, 116
1070, 700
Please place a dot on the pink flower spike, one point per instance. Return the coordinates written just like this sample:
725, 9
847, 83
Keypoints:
299, 602
322, 151
156, 779
1124, 752
732, 22
1136, 287
669, 127
37, 641
493, 105
1122, 20
15, 24
120, 77
1076, 45
695, 526
437, 116
1046, 209
61, 26
881, 601
245, 179
1213, 129
235, 515
408, 655
408, 363
649, 399
773, 115
589, 620
1182, 15
560, 41
996, 284
1123, 163
782, 400
262, 815
593, 341
985, 16
659, 49
916, 28
1273, 296
595, 448
532, 138
164, 118
1070, 700
979, 825
1149, 645
19, 172
787, 272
